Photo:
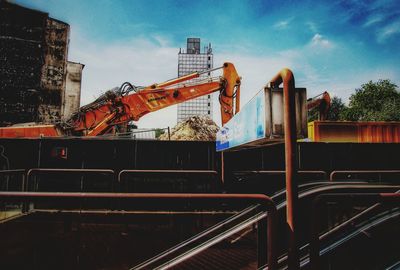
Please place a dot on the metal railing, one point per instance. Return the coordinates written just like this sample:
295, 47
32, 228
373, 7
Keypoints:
265, 202
311, 193
200, 242
48, 171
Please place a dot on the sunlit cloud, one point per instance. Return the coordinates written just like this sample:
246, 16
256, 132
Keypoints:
319, 41
388, 31
284, 24
373, 20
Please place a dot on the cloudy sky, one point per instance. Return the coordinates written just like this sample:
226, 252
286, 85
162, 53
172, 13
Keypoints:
329, 45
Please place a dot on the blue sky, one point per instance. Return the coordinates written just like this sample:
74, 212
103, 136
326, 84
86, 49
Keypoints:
329, 45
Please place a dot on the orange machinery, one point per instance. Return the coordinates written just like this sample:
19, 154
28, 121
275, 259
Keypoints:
131, 103
348, 131
323, 102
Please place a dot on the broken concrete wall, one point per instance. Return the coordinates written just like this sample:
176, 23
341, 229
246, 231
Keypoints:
33, 64
72, 93
53, 77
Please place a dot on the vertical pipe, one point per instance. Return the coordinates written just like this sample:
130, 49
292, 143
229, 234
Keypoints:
169, 134
286, 76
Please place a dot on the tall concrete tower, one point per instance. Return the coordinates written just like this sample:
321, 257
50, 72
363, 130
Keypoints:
188, 62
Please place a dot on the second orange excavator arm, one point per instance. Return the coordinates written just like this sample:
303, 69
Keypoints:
100, 118
322, 102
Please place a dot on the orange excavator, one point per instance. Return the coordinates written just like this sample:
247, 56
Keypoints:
322, 102
131, 103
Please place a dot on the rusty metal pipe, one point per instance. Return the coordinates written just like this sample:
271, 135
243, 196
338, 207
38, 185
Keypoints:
264, 200
286, 77
355, 199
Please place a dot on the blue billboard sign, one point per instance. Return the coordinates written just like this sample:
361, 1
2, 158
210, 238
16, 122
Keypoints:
248, 125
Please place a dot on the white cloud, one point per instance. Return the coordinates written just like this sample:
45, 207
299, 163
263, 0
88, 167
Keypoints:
374, 19
284, 24
388, 31
319, 41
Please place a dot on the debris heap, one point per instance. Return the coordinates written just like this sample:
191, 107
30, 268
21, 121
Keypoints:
195, 128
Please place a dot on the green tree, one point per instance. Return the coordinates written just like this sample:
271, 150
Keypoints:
374, 101
337, 107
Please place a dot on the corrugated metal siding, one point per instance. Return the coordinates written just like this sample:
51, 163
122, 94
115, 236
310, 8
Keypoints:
371, 132
379, 132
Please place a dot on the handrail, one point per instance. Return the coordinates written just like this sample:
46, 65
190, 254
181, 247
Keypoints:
352, 220
100, 171
334, 173
343, 187
335, 187
196, 237
353, 198
229, 232
263, 200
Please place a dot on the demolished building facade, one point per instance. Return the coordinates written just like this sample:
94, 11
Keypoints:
38, 83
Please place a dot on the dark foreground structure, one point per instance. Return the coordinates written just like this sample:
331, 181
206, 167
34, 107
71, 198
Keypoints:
120, 204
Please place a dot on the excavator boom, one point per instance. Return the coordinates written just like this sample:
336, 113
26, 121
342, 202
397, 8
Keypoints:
322, 102
115, 108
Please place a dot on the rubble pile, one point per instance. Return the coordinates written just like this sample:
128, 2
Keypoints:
195, 128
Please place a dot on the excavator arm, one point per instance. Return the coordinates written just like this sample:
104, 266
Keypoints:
117, 107
121, 109
322, 102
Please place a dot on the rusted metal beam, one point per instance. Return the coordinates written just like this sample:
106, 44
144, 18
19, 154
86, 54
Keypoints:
286, 77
